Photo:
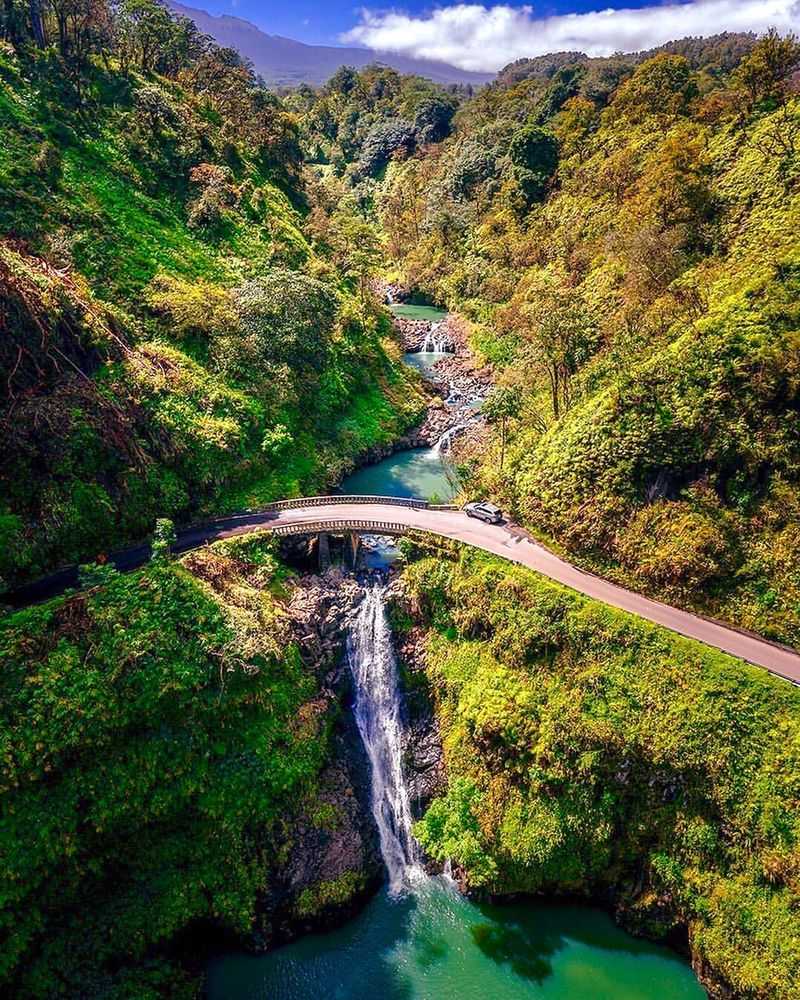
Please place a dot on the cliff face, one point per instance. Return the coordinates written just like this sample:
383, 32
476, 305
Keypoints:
175, 756
329, 857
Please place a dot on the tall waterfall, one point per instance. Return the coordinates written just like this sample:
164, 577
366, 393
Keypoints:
377, 710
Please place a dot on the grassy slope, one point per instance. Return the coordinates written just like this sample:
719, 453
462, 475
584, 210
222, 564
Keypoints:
586, 749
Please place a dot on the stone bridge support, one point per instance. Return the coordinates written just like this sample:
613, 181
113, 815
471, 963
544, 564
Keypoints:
323, 551
352, 548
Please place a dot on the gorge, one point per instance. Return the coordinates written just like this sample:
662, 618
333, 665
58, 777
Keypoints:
262, 737
419, 937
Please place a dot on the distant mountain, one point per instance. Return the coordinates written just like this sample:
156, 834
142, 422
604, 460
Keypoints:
286, 62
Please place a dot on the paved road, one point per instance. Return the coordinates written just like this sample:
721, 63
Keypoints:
505, 540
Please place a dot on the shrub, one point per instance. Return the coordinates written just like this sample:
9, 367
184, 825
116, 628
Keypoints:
673, 544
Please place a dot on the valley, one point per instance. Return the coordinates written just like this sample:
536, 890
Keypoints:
257, 738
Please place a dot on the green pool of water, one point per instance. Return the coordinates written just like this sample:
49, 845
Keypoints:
436, 945
424, 360
405, 310
418, 472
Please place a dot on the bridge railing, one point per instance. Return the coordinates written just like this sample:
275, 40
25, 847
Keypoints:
413, 502
340, 524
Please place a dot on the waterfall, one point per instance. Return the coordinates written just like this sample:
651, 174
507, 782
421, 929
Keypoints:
446, 440
377, 711
435, 342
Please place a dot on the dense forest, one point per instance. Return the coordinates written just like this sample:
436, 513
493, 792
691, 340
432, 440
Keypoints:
175, 341
191, 324
622, 234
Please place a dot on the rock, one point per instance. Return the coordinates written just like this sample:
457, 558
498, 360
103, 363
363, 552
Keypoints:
329, 850
332, 855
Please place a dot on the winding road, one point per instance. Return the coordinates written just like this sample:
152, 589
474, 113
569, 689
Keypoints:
506, 540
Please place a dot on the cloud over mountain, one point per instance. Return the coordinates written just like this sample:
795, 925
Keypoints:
480, 38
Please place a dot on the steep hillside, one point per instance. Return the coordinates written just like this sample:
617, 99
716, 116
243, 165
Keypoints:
623, 235
590, 753
174, 343
168, 752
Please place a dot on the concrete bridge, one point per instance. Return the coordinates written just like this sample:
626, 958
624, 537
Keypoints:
356, 515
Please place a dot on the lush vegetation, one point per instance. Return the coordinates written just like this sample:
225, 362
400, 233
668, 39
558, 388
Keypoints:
589, 752
622, 233
189, 326
175, 339
146, 767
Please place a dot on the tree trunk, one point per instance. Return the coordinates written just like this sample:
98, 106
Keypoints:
502, 442
37, 24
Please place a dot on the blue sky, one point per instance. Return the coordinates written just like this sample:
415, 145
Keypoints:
320, 22
484, 36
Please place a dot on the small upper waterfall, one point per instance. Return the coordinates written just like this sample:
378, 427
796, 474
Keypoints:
445, 441
377, 711
436, 342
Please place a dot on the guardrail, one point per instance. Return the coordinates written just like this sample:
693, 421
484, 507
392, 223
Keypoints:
413, 502
340, 524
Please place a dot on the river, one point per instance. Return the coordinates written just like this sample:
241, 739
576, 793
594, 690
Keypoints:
419, 938
415, 472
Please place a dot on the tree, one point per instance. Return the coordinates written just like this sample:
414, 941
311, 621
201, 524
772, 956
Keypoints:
290, 318
764, 74
345, 82
534, 153
357, 250
558, 328
144, 30
661, 88
501, 403
37, 22
433, 119
383, 141
164, 538
575, 127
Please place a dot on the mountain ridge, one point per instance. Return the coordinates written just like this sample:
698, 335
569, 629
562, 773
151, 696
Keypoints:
287, 62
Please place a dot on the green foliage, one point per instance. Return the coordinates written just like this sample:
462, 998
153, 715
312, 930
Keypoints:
230, 358
384, 141
661, 87
640, 295
587, 751
450, 829
329, 895
433, 118
765, 73
289, 318
150, 743
163, 538
534, 153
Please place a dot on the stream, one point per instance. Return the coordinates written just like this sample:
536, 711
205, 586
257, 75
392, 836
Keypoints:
419, 938
415, 472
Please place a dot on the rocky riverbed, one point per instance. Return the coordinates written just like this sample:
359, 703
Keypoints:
457, 382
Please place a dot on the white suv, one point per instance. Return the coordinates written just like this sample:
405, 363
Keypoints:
484, 511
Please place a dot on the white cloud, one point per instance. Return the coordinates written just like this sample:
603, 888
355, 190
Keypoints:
476, 37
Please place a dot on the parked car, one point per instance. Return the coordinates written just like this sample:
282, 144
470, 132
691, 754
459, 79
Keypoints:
484, 511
